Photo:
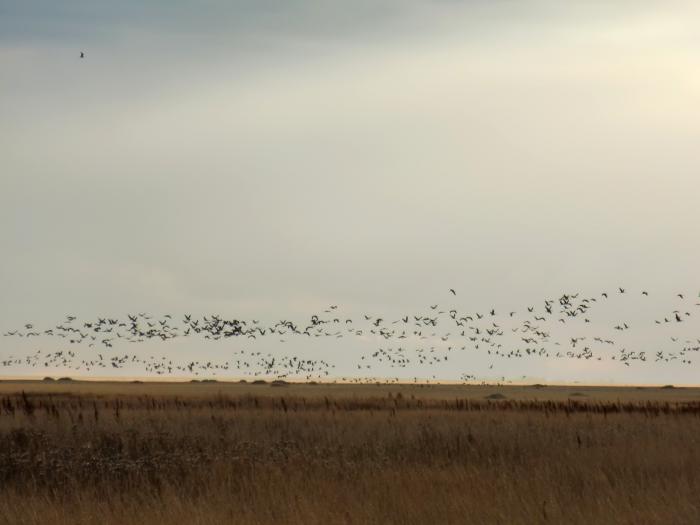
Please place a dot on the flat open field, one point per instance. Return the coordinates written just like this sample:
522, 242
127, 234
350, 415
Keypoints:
109, 452
343, 390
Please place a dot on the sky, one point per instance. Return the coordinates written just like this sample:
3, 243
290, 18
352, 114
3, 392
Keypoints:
267, 159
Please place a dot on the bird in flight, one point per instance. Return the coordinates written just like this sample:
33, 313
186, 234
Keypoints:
82, 54
453, 291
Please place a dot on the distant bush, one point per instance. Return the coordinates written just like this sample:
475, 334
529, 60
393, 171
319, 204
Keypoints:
497, 395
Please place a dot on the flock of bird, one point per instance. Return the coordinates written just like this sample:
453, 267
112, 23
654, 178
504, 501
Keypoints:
560, 328
418, 340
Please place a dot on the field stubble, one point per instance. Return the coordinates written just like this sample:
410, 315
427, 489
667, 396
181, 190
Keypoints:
68, 457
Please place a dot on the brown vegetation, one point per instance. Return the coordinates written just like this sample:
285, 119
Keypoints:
285, 458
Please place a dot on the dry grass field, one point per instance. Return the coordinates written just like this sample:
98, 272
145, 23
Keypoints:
205, 453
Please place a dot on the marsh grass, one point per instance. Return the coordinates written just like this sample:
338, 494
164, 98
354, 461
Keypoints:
87, 458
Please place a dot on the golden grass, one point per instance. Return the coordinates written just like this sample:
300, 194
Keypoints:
445, 391
374, 456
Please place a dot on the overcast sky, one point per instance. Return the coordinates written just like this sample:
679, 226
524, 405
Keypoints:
269, 158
